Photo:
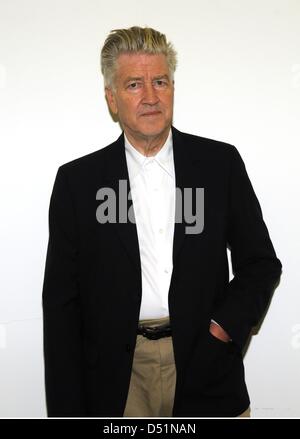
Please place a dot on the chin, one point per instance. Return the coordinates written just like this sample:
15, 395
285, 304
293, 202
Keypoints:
153, 130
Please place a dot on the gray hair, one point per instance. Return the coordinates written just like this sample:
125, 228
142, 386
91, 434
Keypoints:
134, 40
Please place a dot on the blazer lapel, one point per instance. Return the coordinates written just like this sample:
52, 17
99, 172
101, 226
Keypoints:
184, 172
116, 170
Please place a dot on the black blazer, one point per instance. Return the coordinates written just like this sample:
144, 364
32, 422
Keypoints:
92, 285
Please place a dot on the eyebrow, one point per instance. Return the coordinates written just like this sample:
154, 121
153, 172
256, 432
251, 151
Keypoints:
132, 78
161, 77
139, 78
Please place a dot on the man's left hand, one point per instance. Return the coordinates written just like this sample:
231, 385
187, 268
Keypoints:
218, 332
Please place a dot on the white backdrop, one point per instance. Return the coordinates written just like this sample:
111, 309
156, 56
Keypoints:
238, 80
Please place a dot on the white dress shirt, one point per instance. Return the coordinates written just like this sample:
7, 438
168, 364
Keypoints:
152, 183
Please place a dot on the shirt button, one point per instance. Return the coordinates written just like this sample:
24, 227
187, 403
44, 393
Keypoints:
166, 271
128, 347
161, 230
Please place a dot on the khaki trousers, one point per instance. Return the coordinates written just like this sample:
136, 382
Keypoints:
153, 377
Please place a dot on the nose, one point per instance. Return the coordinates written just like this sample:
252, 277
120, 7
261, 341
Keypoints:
149, 96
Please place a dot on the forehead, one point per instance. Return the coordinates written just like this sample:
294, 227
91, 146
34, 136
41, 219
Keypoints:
141, 64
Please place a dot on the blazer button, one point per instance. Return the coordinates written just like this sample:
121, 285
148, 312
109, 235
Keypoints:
128, 347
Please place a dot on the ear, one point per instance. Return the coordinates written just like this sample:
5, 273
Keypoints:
111, 100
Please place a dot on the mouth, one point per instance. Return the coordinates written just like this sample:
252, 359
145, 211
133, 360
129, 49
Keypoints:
151, 113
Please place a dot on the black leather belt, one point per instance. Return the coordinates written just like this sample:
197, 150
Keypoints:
155, 332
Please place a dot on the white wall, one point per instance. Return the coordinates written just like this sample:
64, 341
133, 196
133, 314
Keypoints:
238, 80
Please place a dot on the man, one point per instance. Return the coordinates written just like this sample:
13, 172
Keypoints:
140, 318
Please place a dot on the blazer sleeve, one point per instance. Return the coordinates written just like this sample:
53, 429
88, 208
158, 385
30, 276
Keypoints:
255, 266
61, 307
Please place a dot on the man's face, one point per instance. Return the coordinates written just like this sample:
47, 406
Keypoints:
143, 95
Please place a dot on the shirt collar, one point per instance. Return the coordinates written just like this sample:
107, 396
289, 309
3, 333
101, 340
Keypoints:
136, 160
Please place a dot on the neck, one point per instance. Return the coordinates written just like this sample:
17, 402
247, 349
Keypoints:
148, 145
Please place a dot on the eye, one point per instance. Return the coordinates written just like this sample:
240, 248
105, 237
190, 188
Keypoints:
161, 83
134, 85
